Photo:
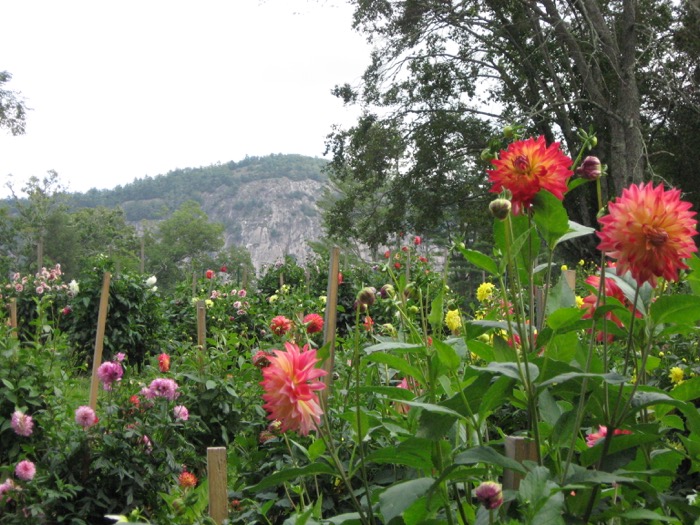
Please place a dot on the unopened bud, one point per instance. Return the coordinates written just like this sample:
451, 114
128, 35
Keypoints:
500, 208
366, 296
489, 494
590, 168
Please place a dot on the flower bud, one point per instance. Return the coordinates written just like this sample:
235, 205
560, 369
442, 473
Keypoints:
366, 296
489, 494
590, 168
500, 208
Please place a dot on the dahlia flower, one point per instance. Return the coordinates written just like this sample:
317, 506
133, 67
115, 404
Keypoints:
485, 291
453, 320
649, 232
108, 373
187, 480
181, 413
162, 387
594, 437
85, 416
676, 375
25, 470
164, 362
527, 167
280, 325
290, 384
7, 486
313, 323
22, 424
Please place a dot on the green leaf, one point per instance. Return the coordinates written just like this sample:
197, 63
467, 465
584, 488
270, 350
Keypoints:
436, 312
447, 355
647, 516
397, 498
489, 456
576, 230
277, 478
480, 260
387, 347
550, 217
397, 363
678, 309
512, 370
414, 452
612, 378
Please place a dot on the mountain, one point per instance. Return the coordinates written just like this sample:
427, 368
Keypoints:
266, 204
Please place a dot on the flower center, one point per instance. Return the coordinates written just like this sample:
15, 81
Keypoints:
522, 164
656, 237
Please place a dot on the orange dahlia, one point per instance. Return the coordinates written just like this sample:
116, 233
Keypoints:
527, 167
290, 384
649, 231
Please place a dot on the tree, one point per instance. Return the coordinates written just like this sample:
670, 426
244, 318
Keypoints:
184, 242
557, 67
13, 111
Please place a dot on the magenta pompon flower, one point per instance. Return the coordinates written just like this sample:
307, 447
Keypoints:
22, 424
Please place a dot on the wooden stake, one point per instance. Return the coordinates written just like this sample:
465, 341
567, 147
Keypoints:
570, 276
13, 317
519, 448
218, 484
201, 324
99, 338
330, 319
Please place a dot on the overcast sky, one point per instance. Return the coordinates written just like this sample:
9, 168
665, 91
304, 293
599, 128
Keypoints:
120, 90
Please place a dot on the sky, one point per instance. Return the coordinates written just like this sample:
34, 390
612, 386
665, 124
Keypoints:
134, 88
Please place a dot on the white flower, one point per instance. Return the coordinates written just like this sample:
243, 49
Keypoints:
154, 289
151, 281
73, 286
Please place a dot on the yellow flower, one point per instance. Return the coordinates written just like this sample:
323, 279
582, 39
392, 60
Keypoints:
272, 298
564, 267
209, 303
484, 291
581, 262
323, 299
676, 375
661, 354
453, 320
579, 301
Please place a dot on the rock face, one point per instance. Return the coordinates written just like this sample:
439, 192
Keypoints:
271, 218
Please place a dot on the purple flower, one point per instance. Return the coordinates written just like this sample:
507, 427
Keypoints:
162, 387
25, 470
120, 357
108, 373
22, 424
85, 416
489, 494
181, 413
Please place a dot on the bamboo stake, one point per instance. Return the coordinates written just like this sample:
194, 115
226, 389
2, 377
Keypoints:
330, 319
201, 324
218, 490
99, 338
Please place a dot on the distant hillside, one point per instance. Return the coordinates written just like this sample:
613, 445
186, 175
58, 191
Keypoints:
267, 204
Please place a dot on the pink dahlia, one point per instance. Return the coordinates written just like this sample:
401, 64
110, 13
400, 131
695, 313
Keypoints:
290, 384
85, 416
22, 424
649, 231
280, 325
109, 372
594, 437
527, 167
313, 323
7, 486
162, 387
181, 413
25, 470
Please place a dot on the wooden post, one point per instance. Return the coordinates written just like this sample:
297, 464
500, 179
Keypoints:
570, 276
519, 448
201, 324
99, 338
13, 317
218, 484
330, 319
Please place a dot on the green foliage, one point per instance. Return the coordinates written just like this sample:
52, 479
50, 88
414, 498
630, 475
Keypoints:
13, 110
134, 322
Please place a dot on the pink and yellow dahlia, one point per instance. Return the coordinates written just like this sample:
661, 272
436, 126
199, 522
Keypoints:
611, 290
649, 231
527, 167
290, 384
